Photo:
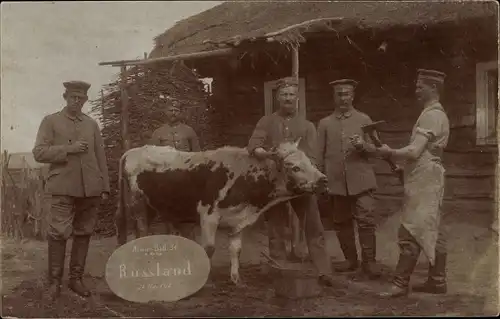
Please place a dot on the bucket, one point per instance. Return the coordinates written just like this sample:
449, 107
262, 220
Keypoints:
295, 281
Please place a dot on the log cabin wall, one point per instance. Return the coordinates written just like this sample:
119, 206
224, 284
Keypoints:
386, 92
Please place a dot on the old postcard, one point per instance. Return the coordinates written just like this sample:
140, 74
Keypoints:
249, 159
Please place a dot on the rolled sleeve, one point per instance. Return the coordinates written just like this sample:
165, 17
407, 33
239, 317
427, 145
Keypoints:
430, 125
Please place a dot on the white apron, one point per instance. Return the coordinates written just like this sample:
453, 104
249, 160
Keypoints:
423, 197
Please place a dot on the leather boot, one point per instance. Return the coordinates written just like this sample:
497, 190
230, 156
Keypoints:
436, 280
400, 283
56, 254
347, 242
77, 265
368, 245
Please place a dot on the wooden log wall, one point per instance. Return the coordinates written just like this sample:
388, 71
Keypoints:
386, 92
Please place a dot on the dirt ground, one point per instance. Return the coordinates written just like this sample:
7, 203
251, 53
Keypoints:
472, 275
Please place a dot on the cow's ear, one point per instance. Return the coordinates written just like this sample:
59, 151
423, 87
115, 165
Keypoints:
297, 141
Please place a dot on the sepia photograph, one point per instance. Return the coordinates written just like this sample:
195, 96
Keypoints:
249, 159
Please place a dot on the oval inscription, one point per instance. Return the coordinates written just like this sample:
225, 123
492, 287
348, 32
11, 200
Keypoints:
157, 268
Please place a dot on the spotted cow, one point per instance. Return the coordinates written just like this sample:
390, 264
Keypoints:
226, 187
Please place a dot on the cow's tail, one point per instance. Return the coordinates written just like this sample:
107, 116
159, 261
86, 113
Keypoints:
121, 212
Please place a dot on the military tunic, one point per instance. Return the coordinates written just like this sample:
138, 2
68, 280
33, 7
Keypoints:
180, 136
77, 175
273, 129
349, 172
351, 181
75, 181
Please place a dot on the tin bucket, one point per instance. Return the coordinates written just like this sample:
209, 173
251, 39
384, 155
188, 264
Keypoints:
294, 281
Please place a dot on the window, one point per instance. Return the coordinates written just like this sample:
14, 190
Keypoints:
486, 102
270, 97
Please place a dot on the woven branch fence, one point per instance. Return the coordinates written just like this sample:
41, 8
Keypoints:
25, 205
147, 90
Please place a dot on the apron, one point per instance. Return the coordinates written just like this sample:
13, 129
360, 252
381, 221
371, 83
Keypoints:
423, 197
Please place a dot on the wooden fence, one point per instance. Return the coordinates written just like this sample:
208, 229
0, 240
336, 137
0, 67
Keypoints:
24, 202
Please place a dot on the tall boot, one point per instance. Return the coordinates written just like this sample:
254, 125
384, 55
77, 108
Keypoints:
56, 254
400, 283
77, 265
436, 280
347, 241
368, 243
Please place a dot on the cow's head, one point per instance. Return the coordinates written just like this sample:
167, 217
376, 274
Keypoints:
300, 173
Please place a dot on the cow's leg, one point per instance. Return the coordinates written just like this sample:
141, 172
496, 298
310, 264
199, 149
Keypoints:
234, 252
140, 209
208, 224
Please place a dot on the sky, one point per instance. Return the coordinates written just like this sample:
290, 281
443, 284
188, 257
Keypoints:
45, 44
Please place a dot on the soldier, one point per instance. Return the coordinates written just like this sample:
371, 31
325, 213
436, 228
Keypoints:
344, 158
71, 143
424, 187
271, 130
182, 137
175, 133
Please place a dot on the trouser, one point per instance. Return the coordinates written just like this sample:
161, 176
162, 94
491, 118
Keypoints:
306, 208
359, 208
410, 253
70, 216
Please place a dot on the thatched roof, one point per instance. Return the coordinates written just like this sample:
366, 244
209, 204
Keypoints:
233, 23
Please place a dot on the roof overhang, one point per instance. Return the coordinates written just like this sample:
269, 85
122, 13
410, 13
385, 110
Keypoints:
186, 56
233, 43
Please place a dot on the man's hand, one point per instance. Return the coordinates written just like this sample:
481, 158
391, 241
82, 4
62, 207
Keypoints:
384, 151
104, 195
357, 142
78, 147
261, 153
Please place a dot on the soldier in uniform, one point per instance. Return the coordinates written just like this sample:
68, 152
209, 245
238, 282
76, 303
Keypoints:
71, 143
271, 130
344, 158
175, 133
181, 136
420, 228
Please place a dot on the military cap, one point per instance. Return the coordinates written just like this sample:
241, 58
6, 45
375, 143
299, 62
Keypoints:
174, 104
169, 103
77, 86
431, 76
344, 85
287, 81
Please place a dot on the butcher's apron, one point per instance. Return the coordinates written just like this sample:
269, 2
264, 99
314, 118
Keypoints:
423, 195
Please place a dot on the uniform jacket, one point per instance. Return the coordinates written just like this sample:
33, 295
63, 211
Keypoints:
273, 129
79, 175
180, 136
348, 170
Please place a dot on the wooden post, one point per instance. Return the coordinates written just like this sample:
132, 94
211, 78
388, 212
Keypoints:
124, 110
299, 246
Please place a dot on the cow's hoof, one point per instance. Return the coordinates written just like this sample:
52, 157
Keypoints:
236, 279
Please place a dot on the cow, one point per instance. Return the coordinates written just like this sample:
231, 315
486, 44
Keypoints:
224, 187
